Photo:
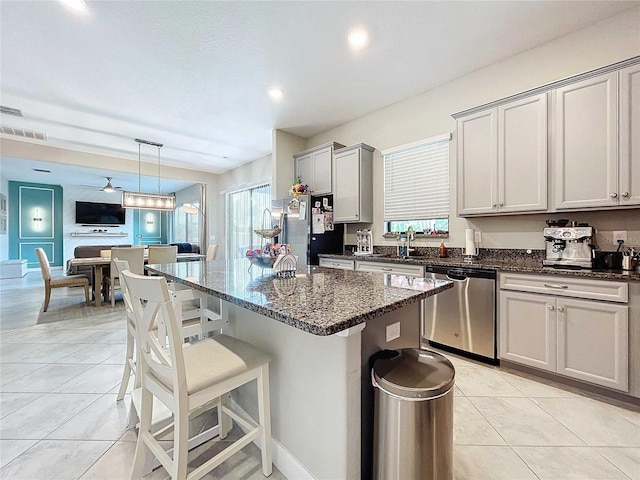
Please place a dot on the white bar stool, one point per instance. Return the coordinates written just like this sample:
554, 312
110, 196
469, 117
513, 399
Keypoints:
190, 378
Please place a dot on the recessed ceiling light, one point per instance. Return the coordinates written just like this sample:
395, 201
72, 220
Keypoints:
276, 93
77, 5
358, 38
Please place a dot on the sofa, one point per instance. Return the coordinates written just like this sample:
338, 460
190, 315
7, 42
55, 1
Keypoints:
187, 247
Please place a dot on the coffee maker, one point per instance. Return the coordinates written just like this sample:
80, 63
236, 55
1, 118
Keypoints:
568, 246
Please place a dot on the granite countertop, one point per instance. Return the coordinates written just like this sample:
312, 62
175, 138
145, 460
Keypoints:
321, 301
512, 263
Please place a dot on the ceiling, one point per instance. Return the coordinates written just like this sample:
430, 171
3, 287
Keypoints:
194, 75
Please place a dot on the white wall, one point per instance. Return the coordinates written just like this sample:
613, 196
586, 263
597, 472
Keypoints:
429, 114
249, 174
285, 146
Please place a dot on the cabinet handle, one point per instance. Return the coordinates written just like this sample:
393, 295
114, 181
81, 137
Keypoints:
501, 204
336, 264
561, 309
625, 194
550, 307
554, 285
494, 205
387, 269
614, 195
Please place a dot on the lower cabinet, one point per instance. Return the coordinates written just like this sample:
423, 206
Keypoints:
395, 268
340, 263
583, 339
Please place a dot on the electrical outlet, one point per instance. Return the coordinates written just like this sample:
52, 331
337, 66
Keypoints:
621, 235
393, 331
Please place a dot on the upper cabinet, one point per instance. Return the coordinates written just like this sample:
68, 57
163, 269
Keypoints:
353, 184
314, 167
502, 158
629, 152
586, 143
585, 130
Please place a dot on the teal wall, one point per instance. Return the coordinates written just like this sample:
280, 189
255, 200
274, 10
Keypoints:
35, 220
150, 227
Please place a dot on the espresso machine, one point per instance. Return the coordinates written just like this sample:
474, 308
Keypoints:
569, 246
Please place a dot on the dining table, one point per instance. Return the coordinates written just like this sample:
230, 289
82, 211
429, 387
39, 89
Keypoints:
99, 263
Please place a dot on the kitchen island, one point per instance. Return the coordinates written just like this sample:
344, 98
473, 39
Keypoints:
321, 327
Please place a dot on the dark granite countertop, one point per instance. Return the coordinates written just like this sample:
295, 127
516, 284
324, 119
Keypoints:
513, 263
321, 301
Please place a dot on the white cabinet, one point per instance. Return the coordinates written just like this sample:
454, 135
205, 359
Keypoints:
314, 167
353, 184
629, 153
502, 158
340, 263
527, 330
586, 143
576, 337
395, 268
593, 342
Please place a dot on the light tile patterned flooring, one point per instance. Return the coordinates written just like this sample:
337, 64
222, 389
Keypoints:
60, 371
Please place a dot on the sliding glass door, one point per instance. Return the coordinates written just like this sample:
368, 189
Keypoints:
245, 212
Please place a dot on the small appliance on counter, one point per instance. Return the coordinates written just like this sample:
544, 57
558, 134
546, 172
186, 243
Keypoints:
568, 246
364, 242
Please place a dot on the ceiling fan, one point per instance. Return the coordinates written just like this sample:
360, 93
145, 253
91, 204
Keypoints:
109, 188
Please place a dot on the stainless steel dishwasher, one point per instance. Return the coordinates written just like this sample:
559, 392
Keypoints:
463, 318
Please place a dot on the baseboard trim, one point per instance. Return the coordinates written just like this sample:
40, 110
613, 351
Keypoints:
288, 465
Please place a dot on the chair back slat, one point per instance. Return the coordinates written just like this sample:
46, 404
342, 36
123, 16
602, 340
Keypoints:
44, 264
153, 313
121, 266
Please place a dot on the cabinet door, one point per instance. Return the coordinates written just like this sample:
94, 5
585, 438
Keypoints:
522, 155
304, 170
322, 171
476, 163
629, 160
528, 329
586, 139
346, 195
593, 342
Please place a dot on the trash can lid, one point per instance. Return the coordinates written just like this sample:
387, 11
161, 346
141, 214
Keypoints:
414, 374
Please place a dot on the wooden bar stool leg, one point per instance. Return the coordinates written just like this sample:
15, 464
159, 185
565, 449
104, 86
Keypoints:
224, 420
127, 366
181, 442
145, 427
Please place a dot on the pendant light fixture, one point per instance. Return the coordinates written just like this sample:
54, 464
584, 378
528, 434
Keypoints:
148, 201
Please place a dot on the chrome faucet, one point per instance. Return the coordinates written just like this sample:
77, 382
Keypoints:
411, 236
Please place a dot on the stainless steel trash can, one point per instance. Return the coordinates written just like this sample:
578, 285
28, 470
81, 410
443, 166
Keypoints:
413, 419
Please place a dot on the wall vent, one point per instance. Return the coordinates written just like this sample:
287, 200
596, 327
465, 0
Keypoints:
21, 132
16, 112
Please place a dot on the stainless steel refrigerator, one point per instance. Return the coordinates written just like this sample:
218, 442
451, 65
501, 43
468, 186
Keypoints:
307, 225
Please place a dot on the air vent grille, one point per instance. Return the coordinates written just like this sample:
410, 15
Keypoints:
21, 132
16, 112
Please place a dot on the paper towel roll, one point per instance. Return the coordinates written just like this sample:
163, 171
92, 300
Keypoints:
470, 242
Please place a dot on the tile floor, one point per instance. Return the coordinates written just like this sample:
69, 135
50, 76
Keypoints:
60, 371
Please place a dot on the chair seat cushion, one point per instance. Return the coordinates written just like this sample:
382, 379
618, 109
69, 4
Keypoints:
214, 360
69, 280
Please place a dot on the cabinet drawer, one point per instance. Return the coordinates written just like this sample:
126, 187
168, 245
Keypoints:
398, 268
340, 263
566, 286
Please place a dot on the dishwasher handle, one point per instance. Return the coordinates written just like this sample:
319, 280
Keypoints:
457, 277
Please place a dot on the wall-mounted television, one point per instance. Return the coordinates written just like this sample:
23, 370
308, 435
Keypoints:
98, 213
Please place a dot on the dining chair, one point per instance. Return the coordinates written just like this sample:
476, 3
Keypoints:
163, 254
66, 281
192, 378
212, 252
134, 256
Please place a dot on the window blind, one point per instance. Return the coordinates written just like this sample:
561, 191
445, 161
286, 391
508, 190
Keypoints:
416, 180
